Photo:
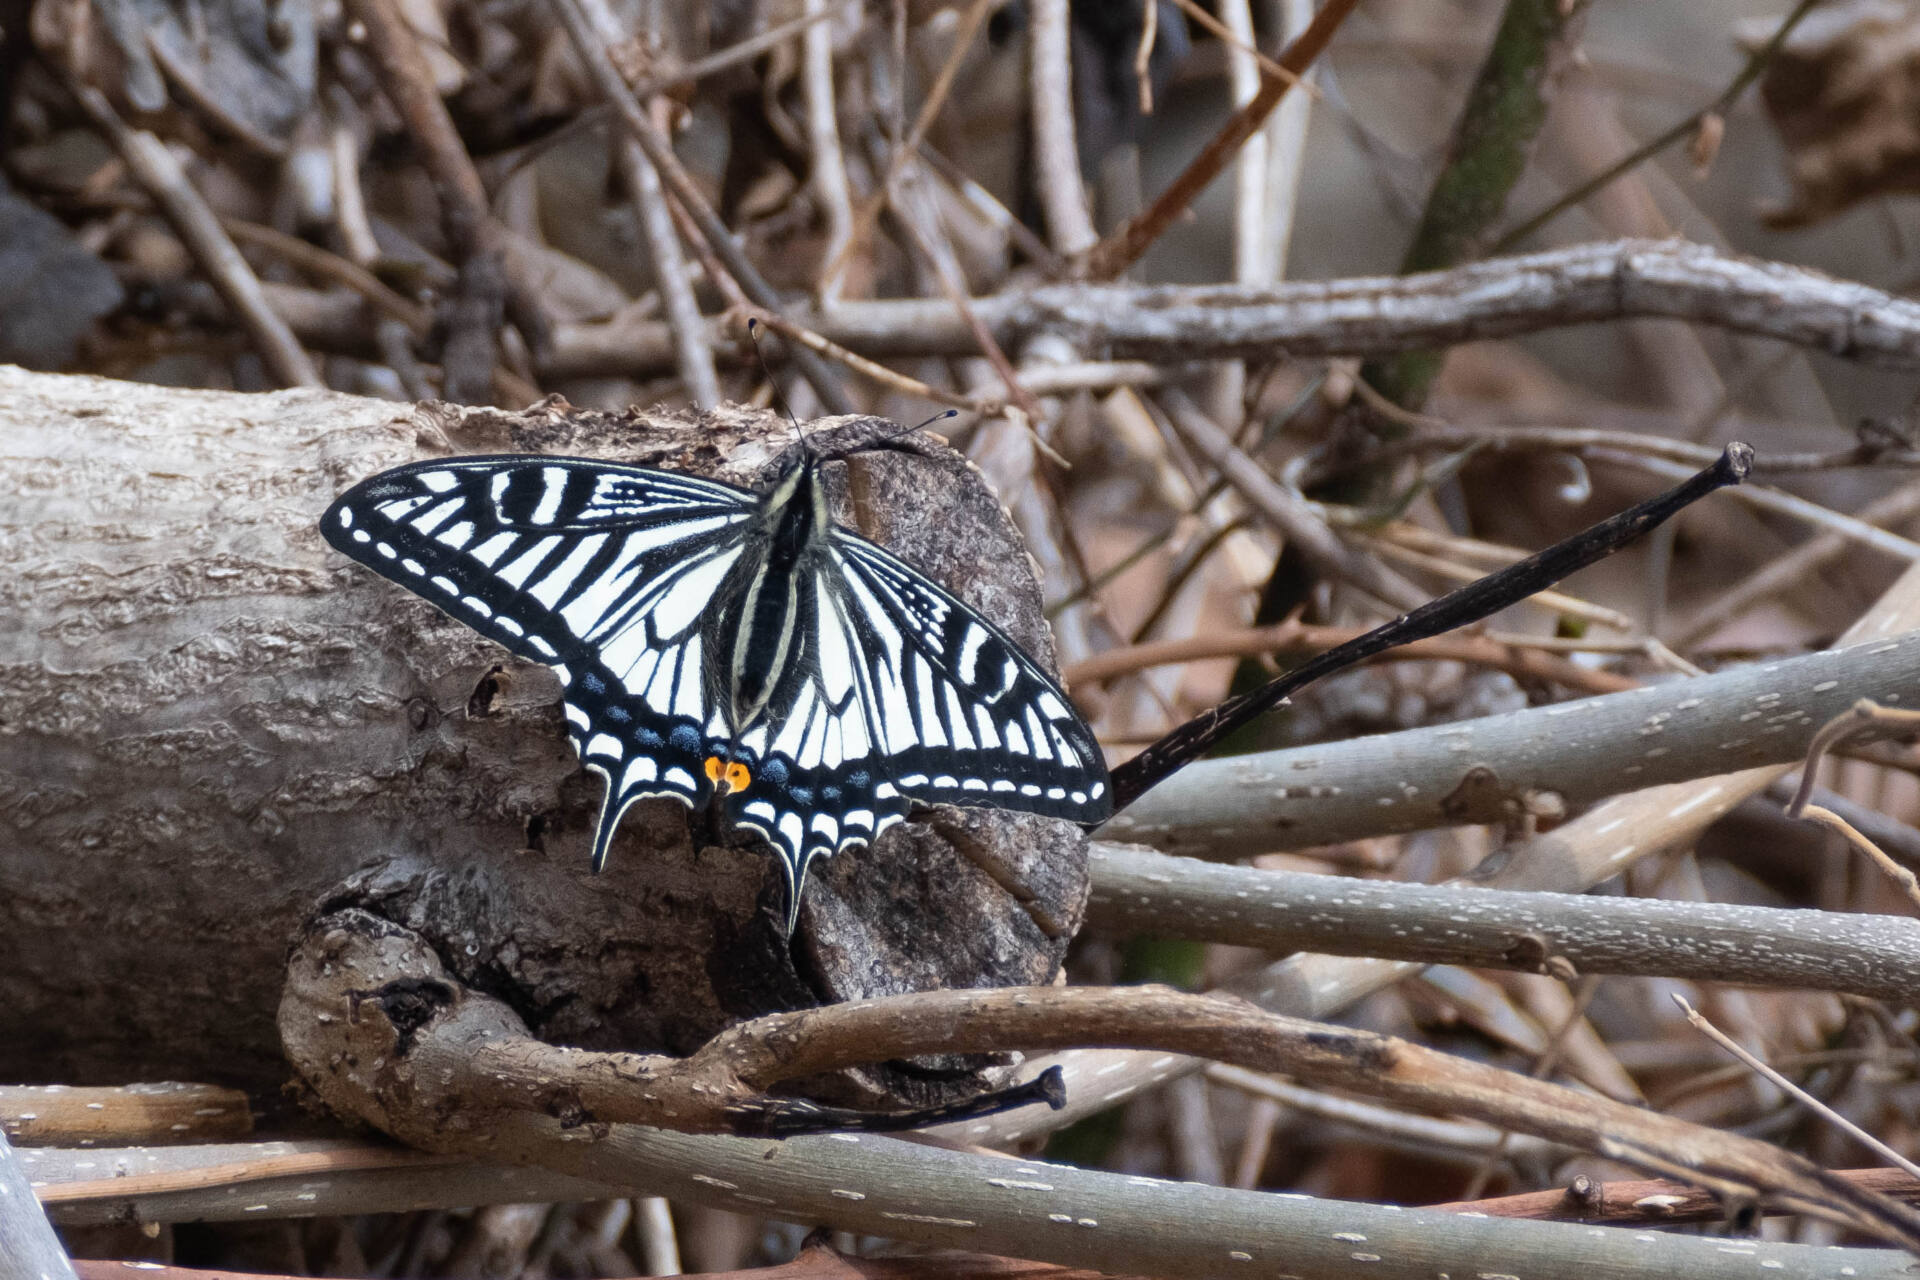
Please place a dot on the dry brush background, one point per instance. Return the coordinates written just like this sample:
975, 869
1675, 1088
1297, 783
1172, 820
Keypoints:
1264, 323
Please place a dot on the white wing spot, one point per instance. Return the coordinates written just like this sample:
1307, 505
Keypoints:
455, 535
970, 647
437, 515
561, 579
516, 574
493, 548
555, 479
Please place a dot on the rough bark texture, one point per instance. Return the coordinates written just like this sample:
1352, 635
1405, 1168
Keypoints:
211, 727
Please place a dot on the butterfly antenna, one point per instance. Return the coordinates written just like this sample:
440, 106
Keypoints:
938, 417
773, 383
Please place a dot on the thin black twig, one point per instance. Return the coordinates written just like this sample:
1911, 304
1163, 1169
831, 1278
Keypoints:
1470, 603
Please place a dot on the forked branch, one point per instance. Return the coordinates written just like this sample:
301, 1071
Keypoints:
383, 1032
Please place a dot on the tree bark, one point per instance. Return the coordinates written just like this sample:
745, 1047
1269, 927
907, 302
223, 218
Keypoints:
212, 728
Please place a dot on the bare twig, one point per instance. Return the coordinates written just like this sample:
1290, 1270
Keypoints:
1397, 542
1512, 655
1434, 434
719, 240
1471, 603
1805, 1099
1650, 1202
1902, 876
1289, 512
868, 213
1056, 155
470, 1056
1756, 63
1802, 562
1473, 771
331, 266
1490, 148
693, 354
1123, 248
939, 260
1598, 844
159, 173
52, 1115
1151, 893
827, 167
1143, 54
1826, 519
907, 1190
489, 275
654, 1226
1398, 1128
1286, 143
1363, 316
872, 370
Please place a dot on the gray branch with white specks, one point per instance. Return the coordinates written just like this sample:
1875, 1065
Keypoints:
1479, 770
1136, 890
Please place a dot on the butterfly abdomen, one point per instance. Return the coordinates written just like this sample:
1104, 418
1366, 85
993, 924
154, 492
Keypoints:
757, 625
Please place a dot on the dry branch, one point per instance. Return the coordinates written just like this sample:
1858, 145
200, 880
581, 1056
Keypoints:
685, 192
1482, 770
52, 1115
383, 1034
1649, 1202
1135, 891
214, 1182
1363, 316
161, 175
1603, 842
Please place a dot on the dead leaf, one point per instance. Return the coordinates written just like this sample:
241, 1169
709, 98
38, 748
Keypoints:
1844, 95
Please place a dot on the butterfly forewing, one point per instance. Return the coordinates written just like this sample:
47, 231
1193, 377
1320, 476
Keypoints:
603, 572
889, 689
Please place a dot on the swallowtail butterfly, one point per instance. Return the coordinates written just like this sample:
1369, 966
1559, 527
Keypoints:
718, 643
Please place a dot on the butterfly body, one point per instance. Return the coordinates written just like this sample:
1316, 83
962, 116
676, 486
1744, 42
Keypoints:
731, 646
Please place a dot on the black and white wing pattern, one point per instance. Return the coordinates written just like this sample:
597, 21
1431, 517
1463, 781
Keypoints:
604, 573
890, 691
